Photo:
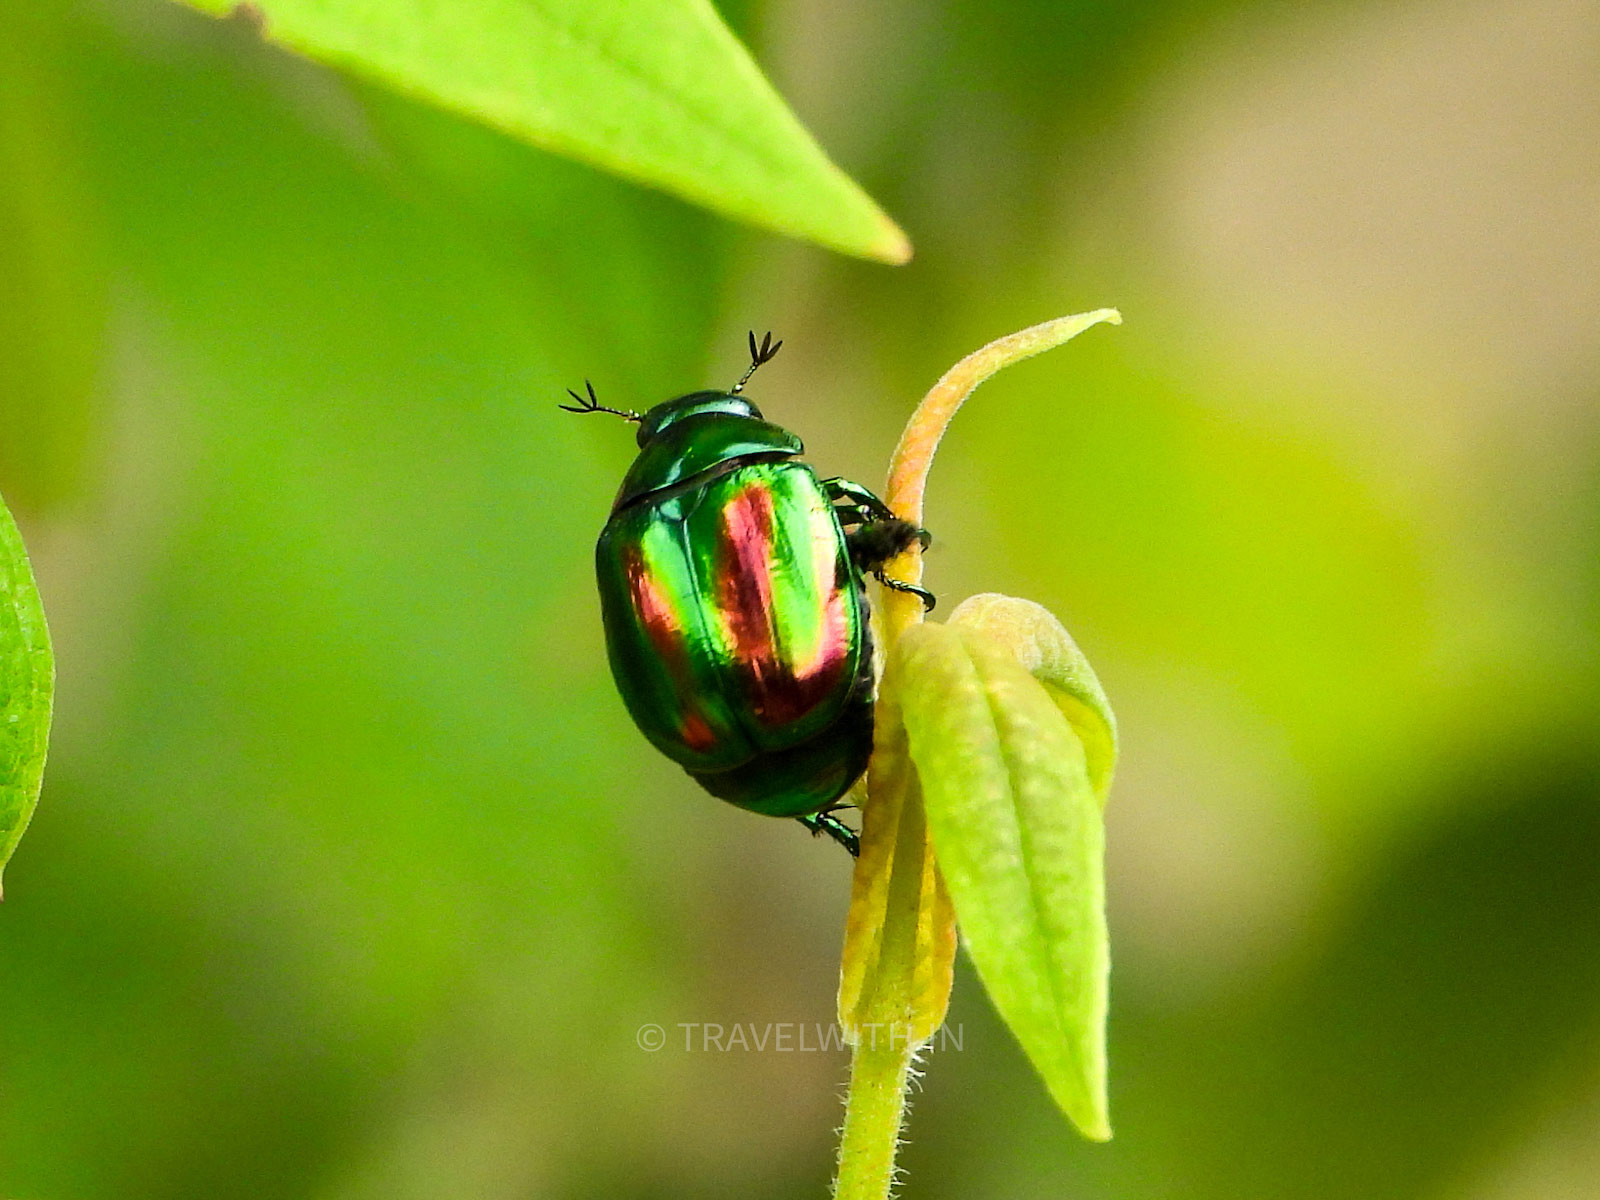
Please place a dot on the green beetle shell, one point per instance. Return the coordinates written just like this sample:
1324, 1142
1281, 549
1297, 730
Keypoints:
735, 622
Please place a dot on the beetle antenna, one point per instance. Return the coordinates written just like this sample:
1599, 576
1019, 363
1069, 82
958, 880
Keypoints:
592, 404
758, 355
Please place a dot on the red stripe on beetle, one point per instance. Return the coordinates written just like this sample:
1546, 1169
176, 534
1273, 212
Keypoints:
744, 566
777, 690
670, 639
832, 654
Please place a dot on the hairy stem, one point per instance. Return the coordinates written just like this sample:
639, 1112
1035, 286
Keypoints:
878, 1074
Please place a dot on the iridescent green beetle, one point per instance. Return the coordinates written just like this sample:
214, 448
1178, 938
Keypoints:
732, 588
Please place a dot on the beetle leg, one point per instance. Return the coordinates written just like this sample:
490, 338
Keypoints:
826, 822
858, 505
851, 516
928, 598
856, 500
878, 535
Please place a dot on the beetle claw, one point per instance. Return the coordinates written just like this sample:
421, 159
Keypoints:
929, 600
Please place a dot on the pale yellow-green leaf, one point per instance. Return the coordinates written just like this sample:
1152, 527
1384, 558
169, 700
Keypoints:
1017, 830
1042, 644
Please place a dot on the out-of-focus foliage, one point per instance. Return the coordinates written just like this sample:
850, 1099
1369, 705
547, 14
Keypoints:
52, 283
351, 877
656, 90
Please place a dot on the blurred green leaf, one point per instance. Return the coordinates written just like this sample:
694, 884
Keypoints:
658, 91
1016, 827
27, 678
1042, 644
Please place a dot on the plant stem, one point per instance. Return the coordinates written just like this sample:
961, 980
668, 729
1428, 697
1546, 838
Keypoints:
895, 983
872, 1116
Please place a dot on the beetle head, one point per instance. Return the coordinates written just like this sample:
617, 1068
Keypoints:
695, 404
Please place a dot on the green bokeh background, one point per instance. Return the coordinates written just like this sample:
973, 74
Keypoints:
351, 878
